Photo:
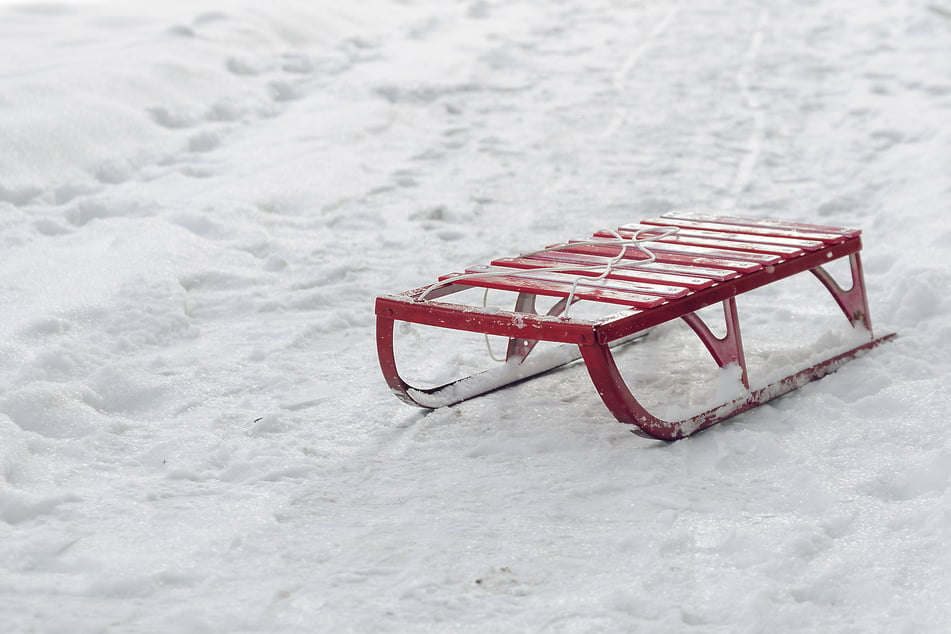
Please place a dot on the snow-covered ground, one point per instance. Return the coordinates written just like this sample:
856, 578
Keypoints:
199, 201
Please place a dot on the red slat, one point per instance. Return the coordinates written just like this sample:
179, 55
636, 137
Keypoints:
737, 266
727, 232
651, 287
707, 252
760, 223
628, 271
680, 237
717, 275
638, 288
824, 238
588, 292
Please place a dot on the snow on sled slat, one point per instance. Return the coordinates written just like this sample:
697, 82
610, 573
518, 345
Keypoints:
824, 239
620, 271
847, 232
648, 229
676, 281
828, 235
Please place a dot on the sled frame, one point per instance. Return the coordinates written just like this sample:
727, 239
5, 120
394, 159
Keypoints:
775, 250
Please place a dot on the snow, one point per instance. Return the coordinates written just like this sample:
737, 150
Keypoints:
199, 202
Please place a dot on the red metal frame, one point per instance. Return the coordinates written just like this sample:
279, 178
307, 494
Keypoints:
714, 260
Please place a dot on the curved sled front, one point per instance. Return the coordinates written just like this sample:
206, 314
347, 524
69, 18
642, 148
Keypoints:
513, 370
626, 409
656, 271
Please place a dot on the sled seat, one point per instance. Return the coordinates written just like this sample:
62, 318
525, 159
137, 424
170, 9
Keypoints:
652, 272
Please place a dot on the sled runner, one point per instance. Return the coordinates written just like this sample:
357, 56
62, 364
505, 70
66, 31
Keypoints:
652, 272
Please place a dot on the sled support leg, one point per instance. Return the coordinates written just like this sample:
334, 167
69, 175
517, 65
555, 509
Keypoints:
727, 349
853, 301
519, 348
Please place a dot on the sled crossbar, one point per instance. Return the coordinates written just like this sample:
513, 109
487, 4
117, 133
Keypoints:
652, 272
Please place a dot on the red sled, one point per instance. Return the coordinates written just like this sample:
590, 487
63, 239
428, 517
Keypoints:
649, 273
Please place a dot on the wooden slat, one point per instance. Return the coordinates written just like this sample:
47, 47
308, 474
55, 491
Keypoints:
717, 275
559, 289
639, 288
624, 270
737, 266
727, 233
814, 232
538, 269
707, 252
717, 242
849, 232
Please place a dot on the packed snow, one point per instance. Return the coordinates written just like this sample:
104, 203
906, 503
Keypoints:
200, 200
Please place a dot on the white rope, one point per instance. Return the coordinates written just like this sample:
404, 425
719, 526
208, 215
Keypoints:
488, 344
604, 270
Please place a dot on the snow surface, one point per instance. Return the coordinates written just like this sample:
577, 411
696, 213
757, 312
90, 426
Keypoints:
200, 200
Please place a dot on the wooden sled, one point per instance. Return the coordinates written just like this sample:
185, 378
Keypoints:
656, 271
